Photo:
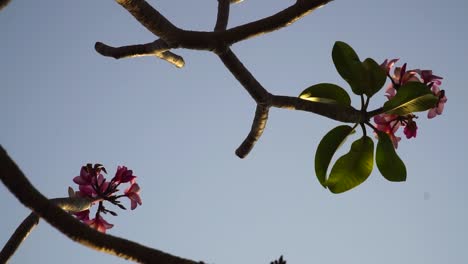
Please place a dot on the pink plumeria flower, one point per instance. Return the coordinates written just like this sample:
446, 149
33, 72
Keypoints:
86, 190
428, 77
387, 65
133, 193
411, 129
99, 224
124, 175
84, 178
439, 108
92, 184
390, 92
402, 76
388, 124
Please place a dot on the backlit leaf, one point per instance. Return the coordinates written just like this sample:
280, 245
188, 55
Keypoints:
327, 148
353, 168
326, 93
349, 66
411, 97
387, 160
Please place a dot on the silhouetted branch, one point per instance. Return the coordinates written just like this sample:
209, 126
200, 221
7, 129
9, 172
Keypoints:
275, 22
346, 114
156, 23
20, 234
263, 97
258, 126
223, 15
157, 48
150, 18
235, 66
17, 183
69, 204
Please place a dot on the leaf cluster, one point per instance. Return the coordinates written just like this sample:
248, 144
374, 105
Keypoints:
365, 79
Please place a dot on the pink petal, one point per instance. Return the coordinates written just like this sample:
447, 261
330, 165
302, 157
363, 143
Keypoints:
440, 108
80, 180
88, 190
83, 215
435, 89
431, 113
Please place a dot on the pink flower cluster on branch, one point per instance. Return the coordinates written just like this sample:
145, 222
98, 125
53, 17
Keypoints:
390, 123
92, 183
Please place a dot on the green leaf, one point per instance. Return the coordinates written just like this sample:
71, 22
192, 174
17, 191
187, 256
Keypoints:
376, 77
327, 148
326, 93
387, 160
353, 168
411, 97
349, 66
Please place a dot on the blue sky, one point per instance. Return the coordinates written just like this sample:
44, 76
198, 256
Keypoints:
63, 105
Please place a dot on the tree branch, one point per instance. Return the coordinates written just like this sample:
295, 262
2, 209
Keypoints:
17, 183
156, 23
150, 18
69, 204
275, 22
258, 126
242, 74
223, 15
334, 111
157, 48
20, 234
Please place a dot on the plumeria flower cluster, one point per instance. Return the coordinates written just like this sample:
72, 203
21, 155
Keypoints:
390, 123
92, 184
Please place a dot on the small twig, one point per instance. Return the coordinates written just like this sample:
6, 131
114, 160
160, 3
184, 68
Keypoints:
223, 15
157, 48
172, 58
258, 126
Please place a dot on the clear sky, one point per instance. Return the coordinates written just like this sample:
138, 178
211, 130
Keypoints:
63, 105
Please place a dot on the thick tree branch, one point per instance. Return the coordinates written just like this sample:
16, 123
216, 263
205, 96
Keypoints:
277, 21
157, 48
156, 23
17, 183
150, 18
258, 126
